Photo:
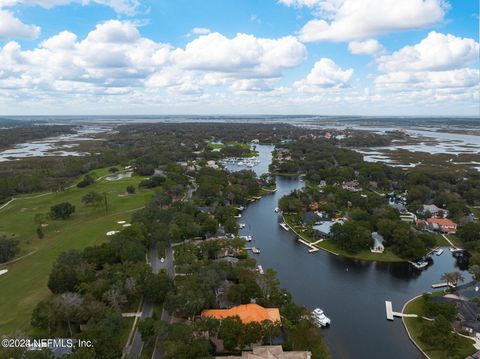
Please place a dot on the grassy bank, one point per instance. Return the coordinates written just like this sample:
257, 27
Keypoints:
414, 326
366, 255
26, 282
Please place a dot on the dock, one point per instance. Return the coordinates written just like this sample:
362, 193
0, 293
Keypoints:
389, 310
312, 248
391, 314
442, 285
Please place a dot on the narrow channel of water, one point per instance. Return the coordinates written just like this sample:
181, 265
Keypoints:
352, 293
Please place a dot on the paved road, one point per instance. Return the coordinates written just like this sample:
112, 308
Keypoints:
169, 266
147, 310
170, 269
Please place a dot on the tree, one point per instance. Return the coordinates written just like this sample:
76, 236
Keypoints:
351, 236
452, 277
130, 189
439, 334
475, 271
69, 270
8, 248
231, 329
270, 330
86, 181
156, 286
40, 233
107, 344
469, 232
62, 210
306, 336
252, 333
93, 198
147, 329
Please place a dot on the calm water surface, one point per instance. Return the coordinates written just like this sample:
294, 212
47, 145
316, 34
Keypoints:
352, 293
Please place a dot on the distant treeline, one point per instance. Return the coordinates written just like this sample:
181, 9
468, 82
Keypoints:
152, 145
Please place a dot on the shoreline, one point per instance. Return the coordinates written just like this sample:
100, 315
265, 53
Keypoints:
406, 326
314, 244
409, 331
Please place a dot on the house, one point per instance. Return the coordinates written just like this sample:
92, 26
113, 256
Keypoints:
248, 313
270, 352
322, 184
434, 211
352, 186
212, 164
324, 228
423, 225
445, 225
377, 243
408, 217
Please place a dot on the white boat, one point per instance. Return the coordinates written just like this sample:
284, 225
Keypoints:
284, 226
255, 250
247, 238
4, 271
241, 225
320, 318
421, 264
260, 269
277, 209
439, 251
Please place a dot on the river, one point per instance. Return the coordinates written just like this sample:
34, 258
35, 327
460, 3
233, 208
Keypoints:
352, 293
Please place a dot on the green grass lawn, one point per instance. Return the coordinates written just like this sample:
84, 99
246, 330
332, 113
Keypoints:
386, 256
26, 282
414, 326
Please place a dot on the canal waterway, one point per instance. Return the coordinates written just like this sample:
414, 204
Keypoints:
352, 293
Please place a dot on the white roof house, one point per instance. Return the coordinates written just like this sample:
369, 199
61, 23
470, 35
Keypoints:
377, 243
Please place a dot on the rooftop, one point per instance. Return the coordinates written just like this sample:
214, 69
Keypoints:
271, 352
247, 312
442, 221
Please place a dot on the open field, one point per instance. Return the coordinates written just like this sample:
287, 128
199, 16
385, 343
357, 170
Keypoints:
414, 326
26, 282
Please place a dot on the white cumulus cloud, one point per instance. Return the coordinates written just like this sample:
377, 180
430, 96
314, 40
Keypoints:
12, 27
436, 52
200, 31
242, 56
325, 74
367, 47
346, 20
439, 64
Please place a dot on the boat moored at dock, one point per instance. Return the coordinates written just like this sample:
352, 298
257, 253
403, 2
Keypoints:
320, 318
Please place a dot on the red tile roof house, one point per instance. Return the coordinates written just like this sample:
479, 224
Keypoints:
446, 225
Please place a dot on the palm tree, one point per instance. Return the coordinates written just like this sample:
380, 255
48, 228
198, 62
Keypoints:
452, 278
475, 271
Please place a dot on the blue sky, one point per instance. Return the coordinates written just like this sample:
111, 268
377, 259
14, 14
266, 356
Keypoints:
326, 57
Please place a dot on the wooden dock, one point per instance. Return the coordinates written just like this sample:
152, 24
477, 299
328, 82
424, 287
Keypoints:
442, 285
311, 247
